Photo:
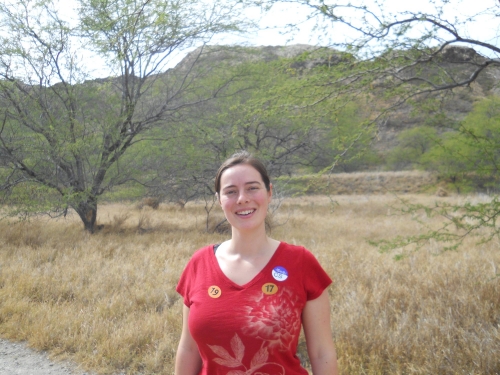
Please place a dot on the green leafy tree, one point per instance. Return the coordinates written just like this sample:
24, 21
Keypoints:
471, 156
245, 115
65, 137
481, 133
449, 158
345, 141
412, 145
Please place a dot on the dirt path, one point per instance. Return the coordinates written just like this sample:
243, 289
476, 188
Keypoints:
18, 359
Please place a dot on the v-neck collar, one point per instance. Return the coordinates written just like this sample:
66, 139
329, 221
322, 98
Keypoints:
255, 278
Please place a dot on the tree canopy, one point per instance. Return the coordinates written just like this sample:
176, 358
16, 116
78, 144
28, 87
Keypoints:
67, 137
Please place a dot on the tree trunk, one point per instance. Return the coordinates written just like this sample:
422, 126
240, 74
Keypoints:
87, 211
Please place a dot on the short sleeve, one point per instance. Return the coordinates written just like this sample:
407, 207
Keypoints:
192, 274
185, 283
316, 280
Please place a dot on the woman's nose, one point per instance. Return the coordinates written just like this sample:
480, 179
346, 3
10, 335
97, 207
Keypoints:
242, 197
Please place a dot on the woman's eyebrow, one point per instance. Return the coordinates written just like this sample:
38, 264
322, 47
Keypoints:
246, 183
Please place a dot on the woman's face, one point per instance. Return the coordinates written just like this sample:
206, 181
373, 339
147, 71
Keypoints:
243, 197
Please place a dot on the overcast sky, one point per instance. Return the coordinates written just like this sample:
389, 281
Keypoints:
274, 31
484, 27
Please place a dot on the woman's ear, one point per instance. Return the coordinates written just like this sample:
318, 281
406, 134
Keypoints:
217, 197
270, 192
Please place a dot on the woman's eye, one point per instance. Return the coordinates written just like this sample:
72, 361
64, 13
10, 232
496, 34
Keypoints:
230, 192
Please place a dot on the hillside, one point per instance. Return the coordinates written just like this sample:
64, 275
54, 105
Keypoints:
458, 62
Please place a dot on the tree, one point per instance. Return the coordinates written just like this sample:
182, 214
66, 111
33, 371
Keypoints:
466, 158
262, 107
410, 57
412, 145
469, 157
66, 137
344, 145
252, 112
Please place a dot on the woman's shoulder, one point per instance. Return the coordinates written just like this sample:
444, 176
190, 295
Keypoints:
201, 255
203, 251
290, 247
298, 252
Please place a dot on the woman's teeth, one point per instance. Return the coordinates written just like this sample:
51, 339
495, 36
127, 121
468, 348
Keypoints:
248, 212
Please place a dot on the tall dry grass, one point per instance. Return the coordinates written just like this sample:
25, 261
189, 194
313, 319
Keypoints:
107, 301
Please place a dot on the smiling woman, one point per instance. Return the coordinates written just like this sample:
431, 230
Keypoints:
245, 299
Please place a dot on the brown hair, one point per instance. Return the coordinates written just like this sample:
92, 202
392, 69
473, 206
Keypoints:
243, 157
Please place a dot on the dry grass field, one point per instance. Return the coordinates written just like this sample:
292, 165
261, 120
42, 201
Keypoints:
107, 301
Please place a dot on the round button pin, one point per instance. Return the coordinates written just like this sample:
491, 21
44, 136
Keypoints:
214, 291
280, 273
269, 288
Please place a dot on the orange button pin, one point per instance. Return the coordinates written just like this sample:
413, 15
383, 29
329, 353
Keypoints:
269, 288
214, 291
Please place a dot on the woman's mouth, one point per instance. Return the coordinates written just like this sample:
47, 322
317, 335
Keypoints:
245, 213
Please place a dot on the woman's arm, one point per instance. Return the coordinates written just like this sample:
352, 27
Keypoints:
187, 359
320, 347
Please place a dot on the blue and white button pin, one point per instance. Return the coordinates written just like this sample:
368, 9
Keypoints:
280, 273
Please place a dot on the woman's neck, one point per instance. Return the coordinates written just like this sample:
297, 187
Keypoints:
248, 244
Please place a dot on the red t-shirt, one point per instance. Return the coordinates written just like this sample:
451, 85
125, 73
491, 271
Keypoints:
252, 328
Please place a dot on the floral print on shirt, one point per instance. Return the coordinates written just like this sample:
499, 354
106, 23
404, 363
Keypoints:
275, 320
258, 365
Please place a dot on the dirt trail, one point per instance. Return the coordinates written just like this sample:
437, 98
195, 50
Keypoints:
18, 359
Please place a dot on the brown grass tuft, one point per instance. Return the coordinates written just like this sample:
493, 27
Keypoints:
153, 202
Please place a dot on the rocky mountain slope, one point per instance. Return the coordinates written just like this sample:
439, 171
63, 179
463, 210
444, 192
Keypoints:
459, 62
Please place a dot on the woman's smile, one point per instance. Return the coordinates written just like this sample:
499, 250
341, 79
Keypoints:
245, 213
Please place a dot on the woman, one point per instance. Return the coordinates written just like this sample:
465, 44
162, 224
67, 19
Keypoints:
245, 299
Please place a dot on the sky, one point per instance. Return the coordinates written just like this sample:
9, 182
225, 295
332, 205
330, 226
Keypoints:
484, 27
274, 32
